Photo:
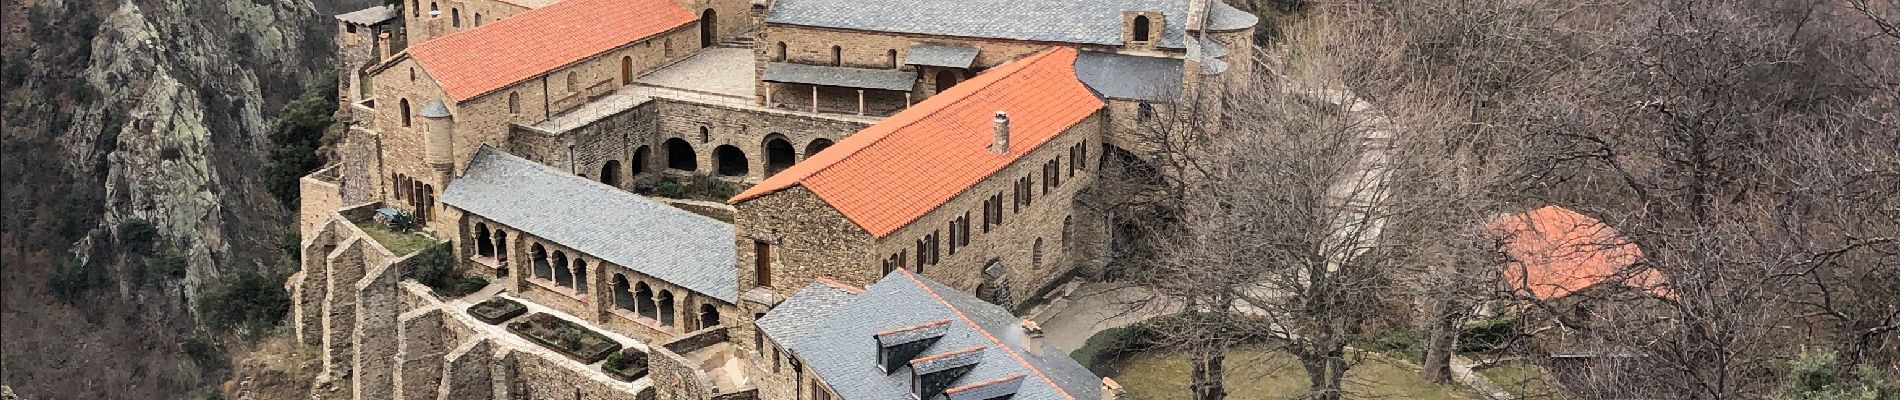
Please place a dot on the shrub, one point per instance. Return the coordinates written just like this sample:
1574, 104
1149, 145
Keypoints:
248, 302
627, 365
403, 221
171, 153
1816, 375
1487, 335
202, 352
496, 309
292, 245
715, 189
565, 337
1112, 344
670, 188
75, 278
137, 235
295, 136
435, 267
1395, 342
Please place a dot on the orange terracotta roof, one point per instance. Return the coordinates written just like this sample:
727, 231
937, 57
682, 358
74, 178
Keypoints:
1558, 252
894, 172
477, 61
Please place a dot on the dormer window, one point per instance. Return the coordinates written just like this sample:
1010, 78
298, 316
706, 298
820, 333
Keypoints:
932, 376
899, 346
1141, 28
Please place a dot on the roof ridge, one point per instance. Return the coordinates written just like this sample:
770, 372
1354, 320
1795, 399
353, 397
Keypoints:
486, 149
839, 285
886, 131
986, 334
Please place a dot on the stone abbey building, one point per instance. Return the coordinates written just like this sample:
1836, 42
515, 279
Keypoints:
773, 199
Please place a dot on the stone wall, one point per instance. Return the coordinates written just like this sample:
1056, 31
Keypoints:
865, 49
465, 370
683, 380
320, 195
376, 327
419, 354
747, 130
808, 240
586, 150
423, 27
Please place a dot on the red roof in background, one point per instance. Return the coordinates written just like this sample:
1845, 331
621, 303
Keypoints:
894, 172
480, 60
1558, 252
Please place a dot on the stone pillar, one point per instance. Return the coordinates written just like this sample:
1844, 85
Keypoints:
310, 285
466, 371
419, 351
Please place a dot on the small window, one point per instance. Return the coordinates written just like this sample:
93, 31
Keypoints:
412, 74
349, 27
837, 56
893, 56
433, 10
705, 134
1144, 112
573, 82
1035, 254
514, 103
781, 52
415, 8
1141, 28
455, 17
404, 106
478, 19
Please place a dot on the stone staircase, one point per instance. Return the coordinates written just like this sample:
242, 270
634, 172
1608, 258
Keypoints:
745, 41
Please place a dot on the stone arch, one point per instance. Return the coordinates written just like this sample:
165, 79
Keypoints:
705, 134
640, 156
643, 300
664, 303
538, 257
946, 79
816, 145
679, 155
403, 106
564, 277
573, 82
580, 275
779, 154
626, 70
730, 160
484, 244
708, 316
610, 173
708, 28
622, 293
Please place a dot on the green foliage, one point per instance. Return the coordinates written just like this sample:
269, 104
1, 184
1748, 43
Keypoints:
295, 136
169, 263
435, 267
715, 188
204, 353
292, 245
1487, 335
1113, 344
15, 72
403, 221
1395, 342
137, 236
73, 279
248, 302
1817, 375
670, 188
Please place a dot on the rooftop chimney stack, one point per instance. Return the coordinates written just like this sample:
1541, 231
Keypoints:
1033, 341
1000, 144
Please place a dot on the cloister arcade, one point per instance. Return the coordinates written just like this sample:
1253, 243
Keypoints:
682, 156
627, 294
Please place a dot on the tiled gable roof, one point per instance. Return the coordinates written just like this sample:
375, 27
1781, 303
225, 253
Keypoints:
1097, 22
891, 173
1557, 252
840, 345
477, 61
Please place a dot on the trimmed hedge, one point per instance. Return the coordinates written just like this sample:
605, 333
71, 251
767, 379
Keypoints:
565, 337
1487, 335
496, 309
627, 365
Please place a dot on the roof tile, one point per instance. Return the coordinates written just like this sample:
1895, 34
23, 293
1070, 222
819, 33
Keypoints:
477, 61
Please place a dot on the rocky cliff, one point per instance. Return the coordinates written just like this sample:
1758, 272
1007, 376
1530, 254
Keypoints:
134, 133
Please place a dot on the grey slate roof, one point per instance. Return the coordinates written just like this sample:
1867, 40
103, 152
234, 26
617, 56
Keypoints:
370, 16
670, 244
940, 55
1064, 21
1223, 17
841, 347
1129, 77
435, 109
794, 317
860, 78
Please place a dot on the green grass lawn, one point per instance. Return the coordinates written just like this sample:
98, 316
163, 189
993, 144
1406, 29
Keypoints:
401, 243
1261, 372
1525, 381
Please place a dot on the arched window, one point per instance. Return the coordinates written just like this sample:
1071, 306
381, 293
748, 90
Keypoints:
816, 146
501, 246
1035, 254
455, 17
538, 257
623, 297
563, 276
580, 276
665, 305
705, 134
573, 82
708, 28
478, 19
415, 8
945, 79
781, 52
395, 181
484, 245
1144, 112
403, 107
1141, 28
640, 160
837, 56
514, 103
779, 154
433, 10
610, 173
708, 316
1065, 231
731, 160
412, 74
643, 300
892, 55
626, 70
679, 155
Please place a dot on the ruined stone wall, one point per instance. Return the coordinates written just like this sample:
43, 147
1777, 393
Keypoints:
537, 377
319, 198
585, 150
466, 370
1049, 220
682, 379
376, 328
359, 172
419, 354
745, 129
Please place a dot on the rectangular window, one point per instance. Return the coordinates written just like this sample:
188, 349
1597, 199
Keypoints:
986, 214
953, 236
936, 242
762, 263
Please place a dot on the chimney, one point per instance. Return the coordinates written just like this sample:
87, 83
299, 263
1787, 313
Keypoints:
1032, 334
1000, 144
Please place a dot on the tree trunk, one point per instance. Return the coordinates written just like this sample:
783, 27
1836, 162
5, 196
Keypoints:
1441, 334
1324, 375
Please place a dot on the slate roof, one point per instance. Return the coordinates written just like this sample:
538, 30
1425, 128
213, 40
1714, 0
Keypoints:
1064, 21
841, 349
888, 175
859, 78
622, 228
1557, 252
940, 55
370, 16
1130, 77
1223, 17
477, 61
435, 109
793, 318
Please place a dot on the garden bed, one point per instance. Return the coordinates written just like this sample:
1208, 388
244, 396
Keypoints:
565, 337
495, 310
627, 365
